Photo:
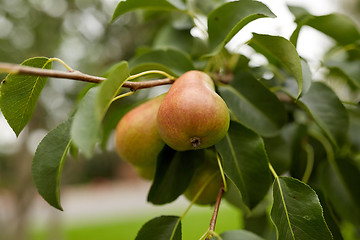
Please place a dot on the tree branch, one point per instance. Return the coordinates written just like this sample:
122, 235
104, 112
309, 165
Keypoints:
216, 210
76, 75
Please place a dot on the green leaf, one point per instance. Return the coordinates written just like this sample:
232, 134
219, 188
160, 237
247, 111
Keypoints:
254, 105
350, 69
338, 180
170, 37
177, 61
85, 130
329, 216
327, 111
296, 211
279, 148
299, 158
299, 13
110, 88
244, 159
207, 6
131, 5
354, 129
161, 228
307, 76
143, 67
239, 235
48, 163
228, 19
173, 174
92, 108
337, 26
19, 94
280, 52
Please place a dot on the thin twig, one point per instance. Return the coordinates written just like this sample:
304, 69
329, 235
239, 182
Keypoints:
76, 75
216, 210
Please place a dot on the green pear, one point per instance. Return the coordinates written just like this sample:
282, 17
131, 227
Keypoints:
207, 175
147, 172
137, 139
192, 115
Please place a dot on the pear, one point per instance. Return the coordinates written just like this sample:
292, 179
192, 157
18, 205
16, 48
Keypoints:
192, 115
207, 174
137, 139
147, 172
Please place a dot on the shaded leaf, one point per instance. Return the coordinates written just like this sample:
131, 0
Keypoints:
131, 5
327, 111
299, 158
19, 94
48, 163
170, 37
338, 182
174, 172
296, 211
354, 129
228, 19
280, 52
161, 228
329, 216
279, 148
244, 159
92, 108
254, 105
239, 235
177, 61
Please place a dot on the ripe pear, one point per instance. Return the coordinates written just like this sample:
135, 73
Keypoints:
207, 173
192, 115
137, 139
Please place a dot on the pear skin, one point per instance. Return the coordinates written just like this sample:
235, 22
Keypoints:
192, 115
147, 172
137, 139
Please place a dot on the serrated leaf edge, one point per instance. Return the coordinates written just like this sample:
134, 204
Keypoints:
277, 178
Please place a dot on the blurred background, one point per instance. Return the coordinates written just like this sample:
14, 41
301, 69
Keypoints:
102, 197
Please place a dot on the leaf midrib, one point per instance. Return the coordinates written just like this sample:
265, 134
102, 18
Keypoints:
285, 208
31, 94
236, 161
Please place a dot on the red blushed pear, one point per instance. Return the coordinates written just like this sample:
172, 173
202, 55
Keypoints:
137, 139
192, 115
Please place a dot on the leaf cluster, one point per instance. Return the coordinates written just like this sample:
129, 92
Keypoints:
290, 136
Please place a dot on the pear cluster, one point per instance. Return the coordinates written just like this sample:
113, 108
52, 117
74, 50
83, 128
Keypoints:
190, 116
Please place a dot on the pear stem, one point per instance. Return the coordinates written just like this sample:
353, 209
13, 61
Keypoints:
216, 211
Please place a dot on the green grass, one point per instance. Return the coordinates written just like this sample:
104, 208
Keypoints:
194, 225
